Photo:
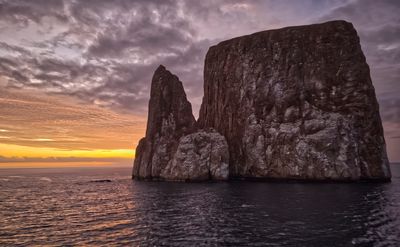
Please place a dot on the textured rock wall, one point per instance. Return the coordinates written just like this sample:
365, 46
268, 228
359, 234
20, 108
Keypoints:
200, 156
173, 148
295, 103
170, 117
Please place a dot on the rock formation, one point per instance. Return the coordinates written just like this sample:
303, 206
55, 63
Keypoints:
170, 117
296, 102
292, 103
163, 154
200, 156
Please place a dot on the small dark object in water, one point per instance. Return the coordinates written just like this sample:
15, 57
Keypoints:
101, 181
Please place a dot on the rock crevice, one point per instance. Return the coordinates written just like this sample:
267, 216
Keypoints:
173, 148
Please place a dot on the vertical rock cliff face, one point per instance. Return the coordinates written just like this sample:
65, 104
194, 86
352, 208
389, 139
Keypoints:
170, 117
296, 103
173, 148
292, 103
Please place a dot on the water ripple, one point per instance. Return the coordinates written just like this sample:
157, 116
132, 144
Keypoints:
68, 208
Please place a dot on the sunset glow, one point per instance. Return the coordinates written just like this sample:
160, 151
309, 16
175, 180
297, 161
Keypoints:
42, 130
75, 75
25, 152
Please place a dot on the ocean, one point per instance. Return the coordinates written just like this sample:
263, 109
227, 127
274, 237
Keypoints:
104, 207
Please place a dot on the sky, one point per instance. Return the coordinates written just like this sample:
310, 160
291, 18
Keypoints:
75, 74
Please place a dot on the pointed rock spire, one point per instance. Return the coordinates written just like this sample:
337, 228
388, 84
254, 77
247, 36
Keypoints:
169, 118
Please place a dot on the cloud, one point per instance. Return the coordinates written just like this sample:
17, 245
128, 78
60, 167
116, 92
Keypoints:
103, 53
22, 12
31, 118
391, 109
111, 50
4, 159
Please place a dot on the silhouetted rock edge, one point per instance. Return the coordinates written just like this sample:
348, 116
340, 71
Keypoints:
295, 103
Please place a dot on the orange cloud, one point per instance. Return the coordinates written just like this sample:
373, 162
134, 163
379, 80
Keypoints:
34, 125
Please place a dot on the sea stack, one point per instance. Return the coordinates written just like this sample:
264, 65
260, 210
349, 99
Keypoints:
173, 148
292, 103
169, 118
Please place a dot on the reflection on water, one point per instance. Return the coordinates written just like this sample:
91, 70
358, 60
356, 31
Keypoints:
65, 207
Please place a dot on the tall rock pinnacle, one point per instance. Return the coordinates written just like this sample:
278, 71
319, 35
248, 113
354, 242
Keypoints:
170, 117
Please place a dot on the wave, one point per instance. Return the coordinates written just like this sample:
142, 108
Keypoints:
46, 179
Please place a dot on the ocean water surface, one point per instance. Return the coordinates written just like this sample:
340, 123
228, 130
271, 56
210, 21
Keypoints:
103, 206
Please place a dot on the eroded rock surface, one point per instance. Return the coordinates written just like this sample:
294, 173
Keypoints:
170, 117
291, 103
202, 155
296, 103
